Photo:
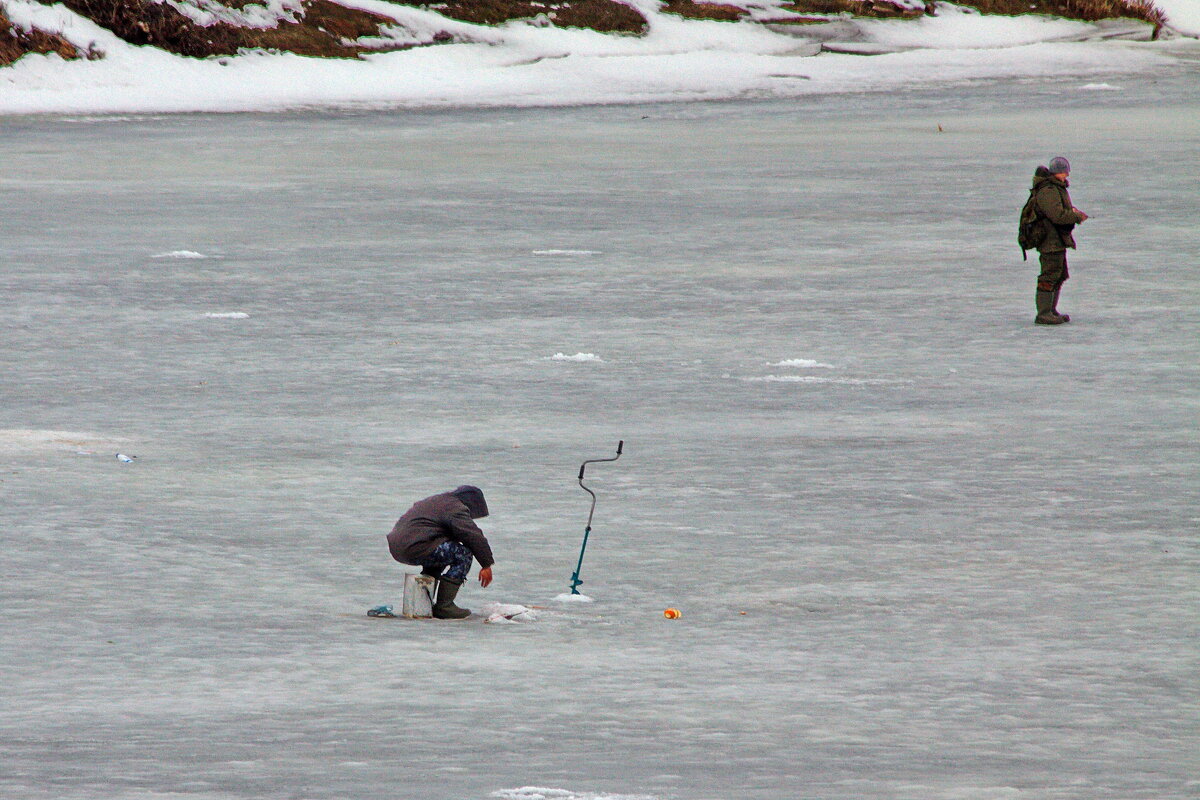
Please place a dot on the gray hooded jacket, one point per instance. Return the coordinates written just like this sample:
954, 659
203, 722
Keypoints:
441, 518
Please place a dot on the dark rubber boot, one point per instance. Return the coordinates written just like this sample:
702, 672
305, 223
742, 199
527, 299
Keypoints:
1045, 309
1054, 306
444, 608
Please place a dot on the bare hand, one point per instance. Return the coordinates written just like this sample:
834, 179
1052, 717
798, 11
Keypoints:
485, 577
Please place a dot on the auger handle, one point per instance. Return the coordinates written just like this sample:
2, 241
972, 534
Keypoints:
583, 466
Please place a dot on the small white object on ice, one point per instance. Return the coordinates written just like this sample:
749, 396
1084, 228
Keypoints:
544, 793
227, 315
124, 459
507, 612
573, 598
180, 254
1100, 87
802, 363
820, 379
579, 357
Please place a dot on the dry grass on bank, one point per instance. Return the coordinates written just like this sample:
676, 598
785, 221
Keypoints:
15, 42
323, 28
692, 10
607, 16
1088, 10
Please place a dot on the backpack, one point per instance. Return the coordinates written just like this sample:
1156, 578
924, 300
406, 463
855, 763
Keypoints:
1031, 232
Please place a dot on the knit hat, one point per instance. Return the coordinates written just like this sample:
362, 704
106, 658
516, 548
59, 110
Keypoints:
1058, 164
472, 498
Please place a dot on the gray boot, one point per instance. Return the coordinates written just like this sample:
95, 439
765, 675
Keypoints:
1054, 306
1045, 309
444, 608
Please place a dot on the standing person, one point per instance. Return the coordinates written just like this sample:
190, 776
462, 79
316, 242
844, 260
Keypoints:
1058, 218
439, 535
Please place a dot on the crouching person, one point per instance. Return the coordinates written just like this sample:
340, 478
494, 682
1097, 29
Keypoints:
439, 535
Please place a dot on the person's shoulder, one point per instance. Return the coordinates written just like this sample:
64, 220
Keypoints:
447, 503
433, 502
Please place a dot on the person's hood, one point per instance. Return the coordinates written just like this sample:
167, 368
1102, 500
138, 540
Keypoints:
472, 498
1042, 175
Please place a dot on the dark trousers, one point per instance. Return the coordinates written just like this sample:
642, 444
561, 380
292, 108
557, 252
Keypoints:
1054, 271
451, 556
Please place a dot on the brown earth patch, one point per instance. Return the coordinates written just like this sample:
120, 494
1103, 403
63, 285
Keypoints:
606, 16
1088, 10
322, 29
16, 42
715, 11
859, 8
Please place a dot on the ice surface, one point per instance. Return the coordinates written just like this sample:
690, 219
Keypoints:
977, 580
18, 440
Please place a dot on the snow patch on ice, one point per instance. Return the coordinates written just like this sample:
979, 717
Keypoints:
180, 254
801, 363
227, 315
578, 357
566, 252
507, 612
542, 793
818, 379
1100, 87
568, 597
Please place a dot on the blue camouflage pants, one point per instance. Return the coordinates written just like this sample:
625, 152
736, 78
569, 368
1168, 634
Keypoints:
454, 557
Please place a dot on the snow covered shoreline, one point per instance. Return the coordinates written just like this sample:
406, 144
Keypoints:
529, 64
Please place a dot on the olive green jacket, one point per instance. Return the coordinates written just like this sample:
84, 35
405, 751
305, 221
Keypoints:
1058, 214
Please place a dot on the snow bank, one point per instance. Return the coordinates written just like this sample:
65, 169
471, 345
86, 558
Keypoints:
1182, 15
957, 28
527, 64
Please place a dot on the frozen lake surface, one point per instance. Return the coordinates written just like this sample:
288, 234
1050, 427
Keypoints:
923, 548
